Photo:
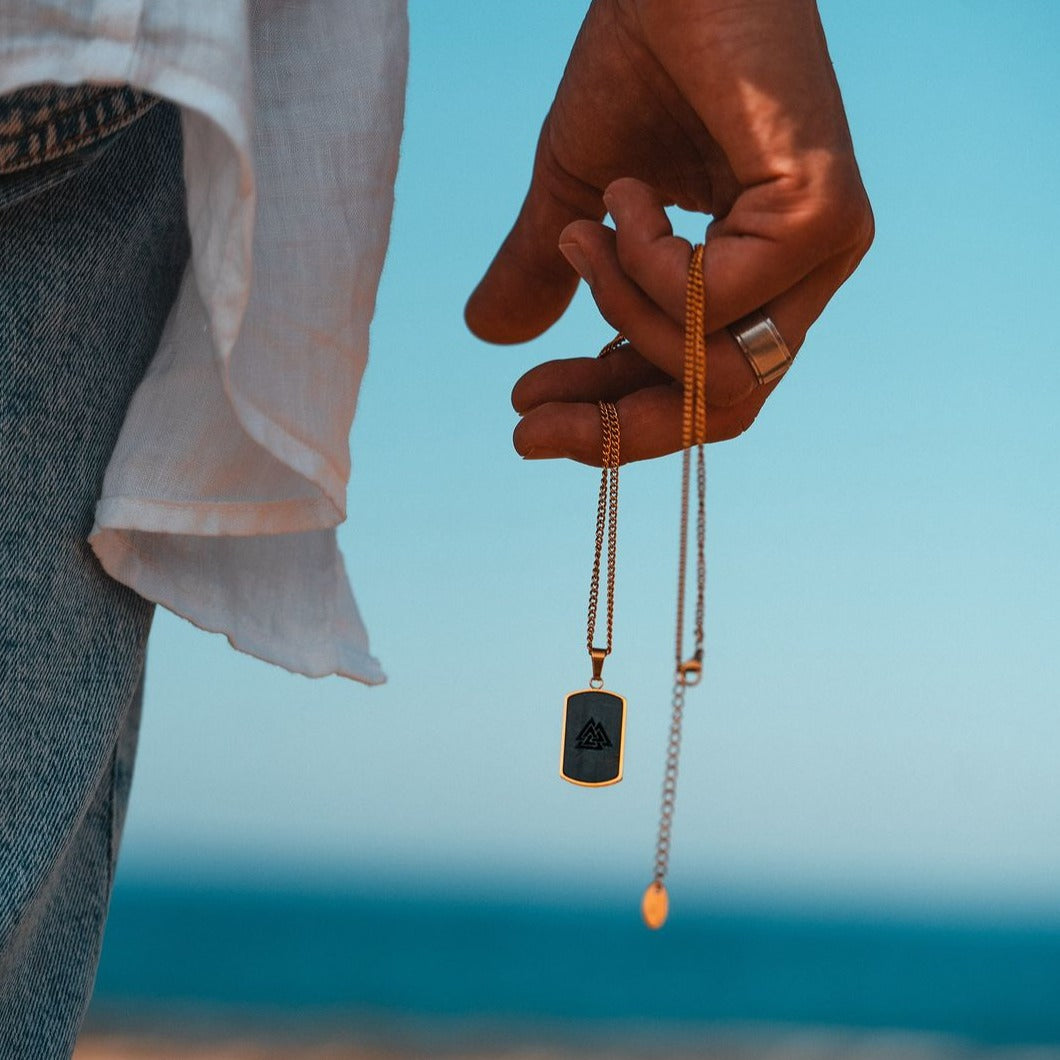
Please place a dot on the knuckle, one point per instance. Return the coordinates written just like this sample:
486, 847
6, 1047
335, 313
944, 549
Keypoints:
607, 295
634, 254
851, 220
560, 187
738, 422
827, 211
730, 392
602, 292
745, 421
841, 218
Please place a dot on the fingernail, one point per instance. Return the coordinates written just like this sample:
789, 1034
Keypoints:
578, 259
610, 201
541, 454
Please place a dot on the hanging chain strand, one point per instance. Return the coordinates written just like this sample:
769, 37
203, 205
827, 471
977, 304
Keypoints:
687, 672
606, 522
611, 458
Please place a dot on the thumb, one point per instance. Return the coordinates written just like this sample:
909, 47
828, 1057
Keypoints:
529, 283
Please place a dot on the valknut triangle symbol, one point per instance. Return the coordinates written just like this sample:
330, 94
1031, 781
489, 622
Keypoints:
592, 737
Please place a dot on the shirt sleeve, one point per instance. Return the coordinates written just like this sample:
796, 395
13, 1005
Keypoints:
229, 478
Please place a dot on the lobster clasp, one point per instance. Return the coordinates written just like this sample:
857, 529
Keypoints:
691, 670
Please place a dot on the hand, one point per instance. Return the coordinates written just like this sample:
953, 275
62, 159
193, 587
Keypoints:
725, 107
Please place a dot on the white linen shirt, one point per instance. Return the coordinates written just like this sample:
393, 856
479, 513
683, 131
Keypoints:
222, 495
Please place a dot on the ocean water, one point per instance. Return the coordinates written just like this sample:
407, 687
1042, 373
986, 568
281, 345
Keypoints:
452, 965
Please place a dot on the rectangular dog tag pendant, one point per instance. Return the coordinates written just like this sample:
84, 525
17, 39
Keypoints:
594, 732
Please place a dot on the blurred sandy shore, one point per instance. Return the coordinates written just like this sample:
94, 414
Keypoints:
104, 1047
795, 1046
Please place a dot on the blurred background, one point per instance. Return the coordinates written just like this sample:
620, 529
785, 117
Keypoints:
867, 849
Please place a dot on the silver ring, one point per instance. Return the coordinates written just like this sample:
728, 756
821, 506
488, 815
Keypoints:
766, 351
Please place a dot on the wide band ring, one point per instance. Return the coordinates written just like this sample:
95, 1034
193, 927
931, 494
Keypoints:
765, 349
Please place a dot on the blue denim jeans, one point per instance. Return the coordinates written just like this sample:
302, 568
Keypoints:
93, 244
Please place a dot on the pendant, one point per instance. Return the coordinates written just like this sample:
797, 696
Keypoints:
655, 905
594, 731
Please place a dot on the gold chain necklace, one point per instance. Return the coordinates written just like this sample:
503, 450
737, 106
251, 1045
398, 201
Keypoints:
595, 719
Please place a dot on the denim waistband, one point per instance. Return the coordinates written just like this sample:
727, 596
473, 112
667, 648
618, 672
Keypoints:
43, 122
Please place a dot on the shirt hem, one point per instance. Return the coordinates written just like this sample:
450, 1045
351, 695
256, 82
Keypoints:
120, 559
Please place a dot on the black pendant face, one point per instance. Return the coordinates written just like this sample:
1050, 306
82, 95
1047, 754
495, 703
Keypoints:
594, 728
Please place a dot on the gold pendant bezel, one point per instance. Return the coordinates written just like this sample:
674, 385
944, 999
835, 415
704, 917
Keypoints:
621, 746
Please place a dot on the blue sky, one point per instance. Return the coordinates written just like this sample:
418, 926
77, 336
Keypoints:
881, 717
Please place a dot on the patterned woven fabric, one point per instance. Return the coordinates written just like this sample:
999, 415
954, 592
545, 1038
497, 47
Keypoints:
41, 123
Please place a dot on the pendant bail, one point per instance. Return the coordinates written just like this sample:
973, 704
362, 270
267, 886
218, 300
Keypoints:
597, 655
